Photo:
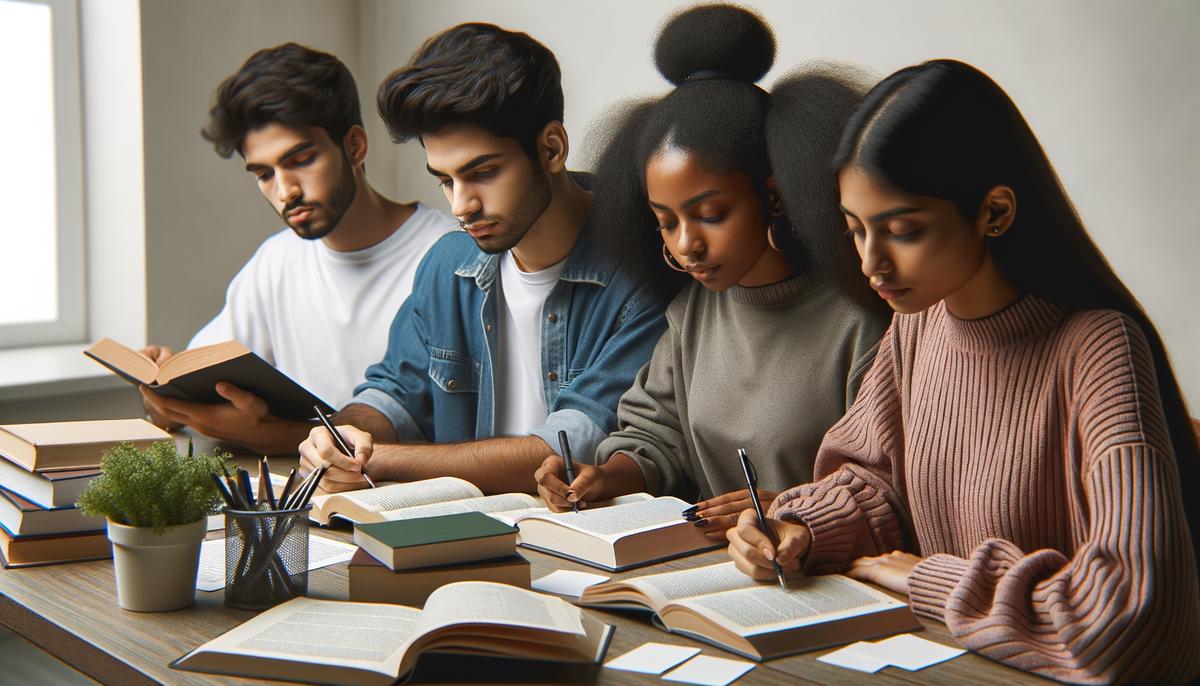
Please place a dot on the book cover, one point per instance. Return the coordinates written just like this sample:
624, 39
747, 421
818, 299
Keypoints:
446, 539
61, 446
192, 375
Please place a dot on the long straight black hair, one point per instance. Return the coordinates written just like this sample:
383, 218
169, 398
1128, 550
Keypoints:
944, 129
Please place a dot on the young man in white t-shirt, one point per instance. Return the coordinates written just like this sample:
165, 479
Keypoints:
316, 299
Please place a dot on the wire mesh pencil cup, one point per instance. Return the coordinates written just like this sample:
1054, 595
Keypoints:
266, 556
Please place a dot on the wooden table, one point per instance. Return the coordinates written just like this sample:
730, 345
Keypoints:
71, 612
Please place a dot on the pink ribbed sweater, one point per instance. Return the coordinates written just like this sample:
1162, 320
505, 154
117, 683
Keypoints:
1025, 457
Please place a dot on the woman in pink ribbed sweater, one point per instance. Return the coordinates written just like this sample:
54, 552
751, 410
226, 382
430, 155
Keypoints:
1015, 458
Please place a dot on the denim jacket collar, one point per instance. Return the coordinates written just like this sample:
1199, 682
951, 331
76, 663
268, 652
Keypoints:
585, 263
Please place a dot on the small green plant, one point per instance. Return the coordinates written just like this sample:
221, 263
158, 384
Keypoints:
155, 487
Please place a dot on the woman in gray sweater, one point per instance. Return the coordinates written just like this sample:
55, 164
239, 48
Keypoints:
765, 348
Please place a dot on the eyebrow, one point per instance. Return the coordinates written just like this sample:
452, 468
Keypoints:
482, 159
291, 152
689, 202
886, 214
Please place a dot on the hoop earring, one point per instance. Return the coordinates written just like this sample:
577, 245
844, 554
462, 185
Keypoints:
670, 260
779, 233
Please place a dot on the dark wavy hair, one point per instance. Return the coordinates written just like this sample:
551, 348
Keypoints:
714, 54
502, 81
946, 130
289, 84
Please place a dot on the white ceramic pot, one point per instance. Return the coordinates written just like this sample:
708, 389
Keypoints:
156, 571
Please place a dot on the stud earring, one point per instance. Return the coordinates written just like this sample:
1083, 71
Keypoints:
995, 230
671, 261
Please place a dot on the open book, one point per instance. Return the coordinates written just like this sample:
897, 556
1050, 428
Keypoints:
192, 375
720, 605
631, 532
377, 644
427, 498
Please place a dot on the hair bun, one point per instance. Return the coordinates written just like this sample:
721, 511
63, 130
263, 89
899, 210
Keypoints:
726, 39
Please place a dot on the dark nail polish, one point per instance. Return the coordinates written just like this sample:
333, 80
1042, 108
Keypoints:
691, 516
690, 510
700, 522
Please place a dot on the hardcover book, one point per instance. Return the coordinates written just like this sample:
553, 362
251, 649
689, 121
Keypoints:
718, 604
442, 540
192, 375
73, 445
376, 644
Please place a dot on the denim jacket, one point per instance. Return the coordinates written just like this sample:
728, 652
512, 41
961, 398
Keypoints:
435, 383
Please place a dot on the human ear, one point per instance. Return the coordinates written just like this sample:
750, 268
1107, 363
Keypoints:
774, 198
553, 147
996, 212
355, 145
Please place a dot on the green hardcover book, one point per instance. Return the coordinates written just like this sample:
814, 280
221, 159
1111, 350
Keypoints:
443, 540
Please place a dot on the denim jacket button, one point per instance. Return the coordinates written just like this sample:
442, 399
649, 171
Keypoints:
553, 376
487, 327
452, 384
553, 317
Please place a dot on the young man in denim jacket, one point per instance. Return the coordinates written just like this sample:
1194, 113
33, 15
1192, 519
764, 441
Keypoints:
521, 325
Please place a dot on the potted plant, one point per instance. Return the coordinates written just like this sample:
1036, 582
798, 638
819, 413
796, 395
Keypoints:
156, 502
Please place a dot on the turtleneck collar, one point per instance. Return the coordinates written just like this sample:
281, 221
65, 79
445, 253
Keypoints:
775, 294
1028, 316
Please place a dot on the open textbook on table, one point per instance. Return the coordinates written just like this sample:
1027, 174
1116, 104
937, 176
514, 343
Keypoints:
378, 643
718, 604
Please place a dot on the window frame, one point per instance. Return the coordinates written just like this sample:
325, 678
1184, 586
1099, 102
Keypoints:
71, 323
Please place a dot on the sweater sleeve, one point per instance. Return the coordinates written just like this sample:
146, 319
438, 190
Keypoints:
854, 507
1125, 605
649, 428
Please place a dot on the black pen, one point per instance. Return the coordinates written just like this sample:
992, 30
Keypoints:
341, 442
565, 447
752, 486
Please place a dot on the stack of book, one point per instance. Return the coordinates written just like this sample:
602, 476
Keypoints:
43, 469
405, 561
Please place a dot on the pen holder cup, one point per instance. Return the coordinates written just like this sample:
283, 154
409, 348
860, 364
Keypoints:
266, 556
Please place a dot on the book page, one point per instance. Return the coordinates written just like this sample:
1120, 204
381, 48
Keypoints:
491, 603
413, 494
611, 523
366, 635
187, 361
807, 601
686, 583
487, 504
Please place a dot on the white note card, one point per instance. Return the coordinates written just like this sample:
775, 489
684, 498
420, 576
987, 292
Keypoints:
904, 651
856, 656
652, 658
322, 552
912, 652
568, 583
706, 670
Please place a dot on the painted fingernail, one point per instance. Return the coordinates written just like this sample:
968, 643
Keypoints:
690, 510
700, 522
691, 516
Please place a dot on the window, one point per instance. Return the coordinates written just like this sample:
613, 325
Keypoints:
41, 190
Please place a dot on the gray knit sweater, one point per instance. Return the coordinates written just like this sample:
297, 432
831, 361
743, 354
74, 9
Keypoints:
769, 369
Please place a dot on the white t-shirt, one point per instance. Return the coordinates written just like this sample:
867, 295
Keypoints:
520, 400
319, 315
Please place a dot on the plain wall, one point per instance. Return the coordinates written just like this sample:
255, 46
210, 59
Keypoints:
1106, 84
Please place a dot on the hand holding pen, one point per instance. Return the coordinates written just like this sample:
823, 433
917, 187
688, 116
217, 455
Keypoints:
339, 441
565, 447
752, 486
